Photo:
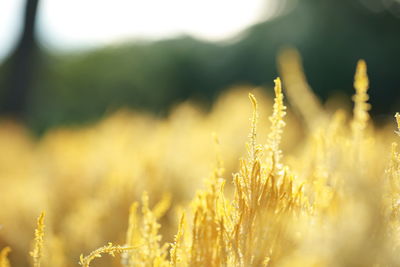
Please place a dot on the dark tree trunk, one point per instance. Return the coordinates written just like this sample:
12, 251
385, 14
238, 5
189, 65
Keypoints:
21, 66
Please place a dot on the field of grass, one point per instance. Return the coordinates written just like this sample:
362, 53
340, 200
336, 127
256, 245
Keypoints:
303, 186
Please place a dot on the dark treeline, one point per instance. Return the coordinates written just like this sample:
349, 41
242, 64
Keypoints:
331, 36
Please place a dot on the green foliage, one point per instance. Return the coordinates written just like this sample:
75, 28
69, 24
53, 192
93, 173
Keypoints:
153, 76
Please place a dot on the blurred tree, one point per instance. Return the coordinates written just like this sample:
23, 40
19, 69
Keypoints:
21, 66
331, 36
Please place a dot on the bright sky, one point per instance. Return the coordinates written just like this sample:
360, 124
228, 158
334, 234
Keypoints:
70, 24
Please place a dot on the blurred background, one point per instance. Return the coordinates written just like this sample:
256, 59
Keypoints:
72, 62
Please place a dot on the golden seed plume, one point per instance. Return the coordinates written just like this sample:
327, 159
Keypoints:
178, 242
361, 106
397, 116
361, 81
108, 249
277, 122
36, 253
253, 132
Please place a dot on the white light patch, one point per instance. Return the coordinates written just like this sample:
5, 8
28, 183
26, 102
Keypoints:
10, 24
76, 23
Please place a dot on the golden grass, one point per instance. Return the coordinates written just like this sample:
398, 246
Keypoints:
324, 190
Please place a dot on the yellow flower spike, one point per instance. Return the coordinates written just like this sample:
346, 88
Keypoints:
277, 122
361, 107
361, 81
177, 242
253, 132
36, 253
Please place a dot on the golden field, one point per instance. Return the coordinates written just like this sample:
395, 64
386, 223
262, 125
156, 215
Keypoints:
305, 186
